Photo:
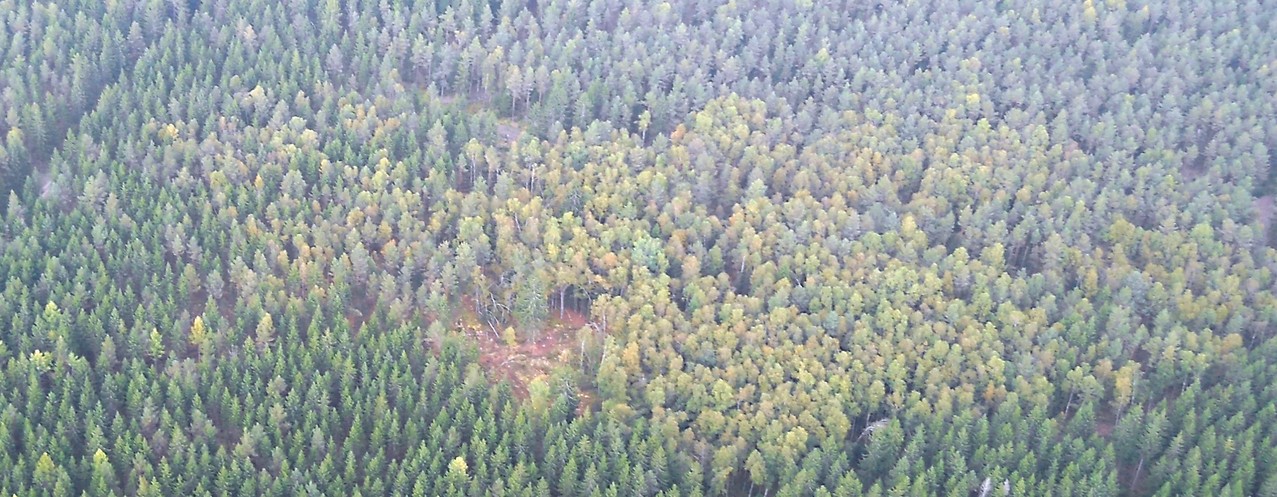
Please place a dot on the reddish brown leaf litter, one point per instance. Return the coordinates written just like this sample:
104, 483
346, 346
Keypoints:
1264, 210
537, 352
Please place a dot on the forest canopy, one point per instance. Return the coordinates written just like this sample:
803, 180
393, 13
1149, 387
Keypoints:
638, 248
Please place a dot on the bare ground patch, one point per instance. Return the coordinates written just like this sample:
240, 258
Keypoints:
1264, 210
536, 353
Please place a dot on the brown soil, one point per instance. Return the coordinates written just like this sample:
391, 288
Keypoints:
556, 344
1103, 428
585, 401
508, 130
1264, 210
359, 310
1105, 420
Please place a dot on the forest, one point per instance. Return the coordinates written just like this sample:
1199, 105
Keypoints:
638, 248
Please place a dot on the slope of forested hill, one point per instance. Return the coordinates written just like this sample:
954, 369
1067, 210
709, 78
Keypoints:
633, 248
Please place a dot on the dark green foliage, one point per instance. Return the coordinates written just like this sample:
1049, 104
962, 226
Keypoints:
819, 248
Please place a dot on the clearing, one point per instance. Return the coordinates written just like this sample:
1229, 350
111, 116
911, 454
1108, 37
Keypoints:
556, 344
